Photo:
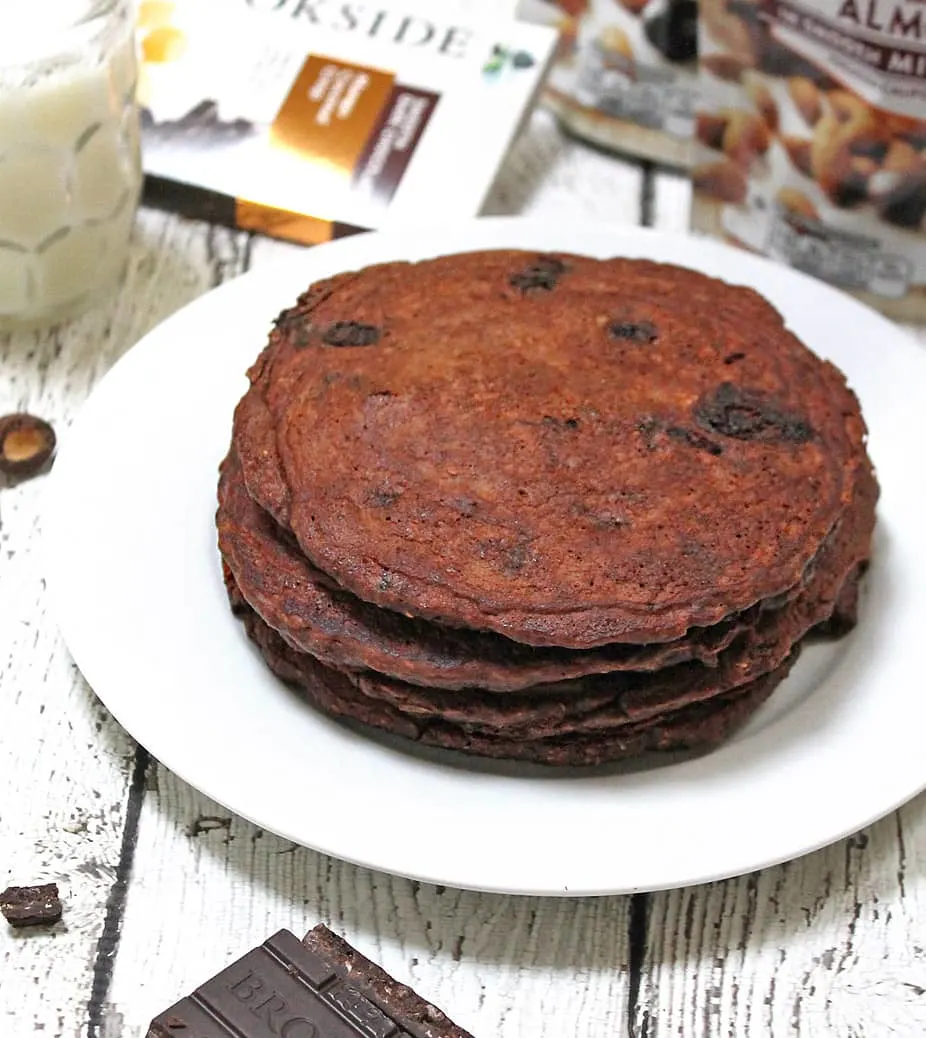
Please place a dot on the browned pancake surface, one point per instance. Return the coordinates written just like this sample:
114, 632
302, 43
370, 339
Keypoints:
314, 615
565, 451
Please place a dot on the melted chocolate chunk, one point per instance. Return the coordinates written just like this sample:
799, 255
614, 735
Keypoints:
643, 332
351, 333
383, 497
693, 439
541, 276
745, 414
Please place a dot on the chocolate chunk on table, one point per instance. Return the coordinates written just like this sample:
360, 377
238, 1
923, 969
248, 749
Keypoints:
320, 987
30, 906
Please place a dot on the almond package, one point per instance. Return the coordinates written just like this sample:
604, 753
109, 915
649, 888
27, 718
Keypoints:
625, 74
810, 140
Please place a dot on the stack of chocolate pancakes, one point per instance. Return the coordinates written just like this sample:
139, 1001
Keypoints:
546, 508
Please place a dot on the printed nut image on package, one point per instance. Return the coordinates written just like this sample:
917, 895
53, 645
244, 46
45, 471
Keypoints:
810, 140
626, 73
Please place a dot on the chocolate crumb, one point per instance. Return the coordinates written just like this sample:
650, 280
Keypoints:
31, 906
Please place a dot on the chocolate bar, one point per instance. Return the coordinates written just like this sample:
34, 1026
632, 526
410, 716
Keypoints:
319, 987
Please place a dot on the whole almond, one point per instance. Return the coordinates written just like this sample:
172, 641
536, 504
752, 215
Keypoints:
847, 145
616, 41
863, 165
901, 156
806, 98
798, 149
762, 98
723, 180
745, 137
729, 30
849, 108
796, 202
709, 129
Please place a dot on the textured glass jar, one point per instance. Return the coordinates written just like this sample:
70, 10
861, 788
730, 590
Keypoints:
70, 168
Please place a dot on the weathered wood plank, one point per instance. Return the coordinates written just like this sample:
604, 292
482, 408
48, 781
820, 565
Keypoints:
67, 766
832, 945
671, 201
207, 886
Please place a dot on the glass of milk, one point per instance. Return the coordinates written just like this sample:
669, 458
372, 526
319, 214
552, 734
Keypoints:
70, 169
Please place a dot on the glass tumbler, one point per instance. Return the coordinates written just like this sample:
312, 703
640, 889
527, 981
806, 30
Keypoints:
70, 166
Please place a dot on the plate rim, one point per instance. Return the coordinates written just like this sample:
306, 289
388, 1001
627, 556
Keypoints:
293, 266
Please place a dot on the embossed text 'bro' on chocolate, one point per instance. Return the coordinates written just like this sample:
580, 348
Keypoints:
320, 987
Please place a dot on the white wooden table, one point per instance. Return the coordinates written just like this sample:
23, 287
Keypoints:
162, 887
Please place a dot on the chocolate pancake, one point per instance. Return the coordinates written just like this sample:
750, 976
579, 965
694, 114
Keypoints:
566, 451
701, 726
602, 703
314, 615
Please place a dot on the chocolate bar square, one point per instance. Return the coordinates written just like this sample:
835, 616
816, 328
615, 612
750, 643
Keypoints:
320, 987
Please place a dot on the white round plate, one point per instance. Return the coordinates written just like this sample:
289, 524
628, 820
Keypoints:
136, 584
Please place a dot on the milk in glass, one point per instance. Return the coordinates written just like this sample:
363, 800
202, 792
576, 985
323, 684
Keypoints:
70, 171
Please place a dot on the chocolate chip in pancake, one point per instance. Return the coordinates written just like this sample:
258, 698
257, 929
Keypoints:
509, 457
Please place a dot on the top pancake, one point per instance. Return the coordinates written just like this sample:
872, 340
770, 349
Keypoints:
563, 450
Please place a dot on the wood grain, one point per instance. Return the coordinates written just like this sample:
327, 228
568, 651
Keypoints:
832, 944
500, 965
68, 767
671, 201
163, 886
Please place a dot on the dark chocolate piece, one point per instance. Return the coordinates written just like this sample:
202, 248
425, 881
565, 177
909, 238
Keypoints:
31, 906
317, 988
746, 414
351, 333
